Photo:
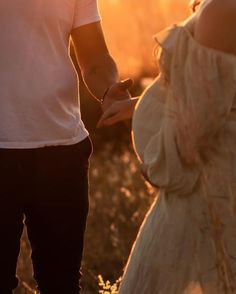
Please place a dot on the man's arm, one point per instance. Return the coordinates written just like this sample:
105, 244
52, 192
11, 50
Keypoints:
98, 68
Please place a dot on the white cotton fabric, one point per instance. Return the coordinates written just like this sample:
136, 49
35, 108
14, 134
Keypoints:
39, 101
184, 131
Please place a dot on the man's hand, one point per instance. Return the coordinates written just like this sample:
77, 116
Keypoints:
117, 91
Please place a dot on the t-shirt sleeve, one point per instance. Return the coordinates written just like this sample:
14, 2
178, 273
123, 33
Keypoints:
86, 11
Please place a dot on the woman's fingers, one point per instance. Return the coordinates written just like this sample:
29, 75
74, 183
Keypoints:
126, 84
109, 119
117, 92
108, 113
111, 111
112, 120
118, 111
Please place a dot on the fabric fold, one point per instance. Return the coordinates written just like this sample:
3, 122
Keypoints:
194, 117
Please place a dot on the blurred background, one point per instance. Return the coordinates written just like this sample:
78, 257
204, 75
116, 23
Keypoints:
129, 27
119, 196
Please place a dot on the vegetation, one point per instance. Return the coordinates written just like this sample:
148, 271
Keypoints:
119, 201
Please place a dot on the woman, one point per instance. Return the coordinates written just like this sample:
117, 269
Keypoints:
184, 130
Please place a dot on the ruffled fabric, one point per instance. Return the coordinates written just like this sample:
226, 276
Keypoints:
166, 40
199, 101
184, 130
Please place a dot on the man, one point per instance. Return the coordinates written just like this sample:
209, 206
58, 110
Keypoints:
44, 146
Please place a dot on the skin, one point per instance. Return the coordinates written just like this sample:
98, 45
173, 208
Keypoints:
118, 111
98, 68
213, 26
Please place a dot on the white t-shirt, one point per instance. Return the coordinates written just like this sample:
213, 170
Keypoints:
39, 103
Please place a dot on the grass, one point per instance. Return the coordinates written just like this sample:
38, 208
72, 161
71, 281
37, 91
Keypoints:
119, 201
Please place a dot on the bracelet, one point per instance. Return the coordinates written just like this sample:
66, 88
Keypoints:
104, 95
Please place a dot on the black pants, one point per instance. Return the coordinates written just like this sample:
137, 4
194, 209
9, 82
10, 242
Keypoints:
50, 187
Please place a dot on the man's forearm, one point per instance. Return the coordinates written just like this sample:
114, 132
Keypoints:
101, 76
98, 68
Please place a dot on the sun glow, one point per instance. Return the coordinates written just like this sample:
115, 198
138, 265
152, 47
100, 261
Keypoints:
129, 26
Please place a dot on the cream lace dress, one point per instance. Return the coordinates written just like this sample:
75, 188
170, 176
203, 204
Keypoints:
184, 130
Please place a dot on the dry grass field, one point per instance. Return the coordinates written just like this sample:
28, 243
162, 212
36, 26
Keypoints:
119, 201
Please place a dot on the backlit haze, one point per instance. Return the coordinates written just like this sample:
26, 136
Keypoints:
129, 26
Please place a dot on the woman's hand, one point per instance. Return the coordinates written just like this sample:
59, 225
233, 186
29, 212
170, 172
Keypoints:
118, 111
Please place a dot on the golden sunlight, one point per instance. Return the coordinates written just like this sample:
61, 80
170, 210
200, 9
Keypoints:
129, 26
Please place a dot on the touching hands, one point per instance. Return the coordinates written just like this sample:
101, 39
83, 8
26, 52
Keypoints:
118, 111
118, 91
